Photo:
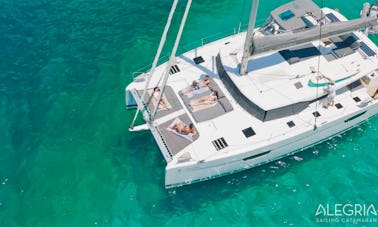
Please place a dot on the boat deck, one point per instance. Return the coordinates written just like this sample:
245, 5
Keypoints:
275, 80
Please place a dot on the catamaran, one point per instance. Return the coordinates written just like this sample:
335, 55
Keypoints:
305, 75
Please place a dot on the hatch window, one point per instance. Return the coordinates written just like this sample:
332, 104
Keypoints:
248, 132
316, 114
298, 85
290, 124
286, 15
198, 60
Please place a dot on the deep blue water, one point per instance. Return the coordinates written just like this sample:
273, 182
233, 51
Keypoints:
67, 158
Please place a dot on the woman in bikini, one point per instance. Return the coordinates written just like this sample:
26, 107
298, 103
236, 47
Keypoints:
183, 128
207, 100
205, 82
163, 103
194, 86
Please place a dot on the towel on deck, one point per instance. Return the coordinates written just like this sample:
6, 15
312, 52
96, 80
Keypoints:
195, 92
178, 120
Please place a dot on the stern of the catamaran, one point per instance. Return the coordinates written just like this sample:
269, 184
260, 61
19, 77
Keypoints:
133, 100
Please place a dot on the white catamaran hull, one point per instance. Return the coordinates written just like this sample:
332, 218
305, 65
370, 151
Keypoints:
179, 176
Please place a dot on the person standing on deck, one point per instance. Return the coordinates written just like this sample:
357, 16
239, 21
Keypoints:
331, 90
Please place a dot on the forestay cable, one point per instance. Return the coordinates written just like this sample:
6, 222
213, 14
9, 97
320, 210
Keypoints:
318, 69
157, 56
173, 56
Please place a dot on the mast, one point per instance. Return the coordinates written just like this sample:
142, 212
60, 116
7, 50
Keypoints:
248, 48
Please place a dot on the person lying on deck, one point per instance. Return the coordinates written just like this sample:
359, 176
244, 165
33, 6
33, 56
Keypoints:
207, 100
194, 86
198, 85
206, 82
163, 103
184, 129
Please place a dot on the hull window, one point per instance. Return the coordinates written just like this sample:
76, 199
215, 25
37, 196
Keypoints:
256, 156
354, 117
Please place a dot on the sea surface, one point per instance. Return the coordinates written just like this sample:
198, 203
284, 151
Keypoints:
67, 158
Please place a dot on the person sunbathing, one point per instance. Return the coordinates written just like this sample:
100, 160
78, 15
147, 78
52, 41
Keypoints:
206, 82
163, 103
194, 86
184, 129
207, 100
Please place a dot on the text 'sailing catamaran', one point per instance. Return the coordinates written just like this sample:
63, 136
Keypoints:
306, 74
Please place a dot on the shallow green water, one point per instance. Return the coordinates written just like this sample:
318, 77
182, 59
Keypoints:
67, 158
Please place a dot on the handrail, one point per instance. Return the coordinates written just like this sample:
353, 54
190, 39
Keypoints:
164, 142
186, 47
201, 42
145, 107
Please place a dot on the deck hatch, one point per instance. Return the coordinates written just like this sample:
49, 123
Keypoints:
290, 124
286, 15
316, 114
248, 132
338, 105
174, 69
356, 99
219, 143
298, 85
198, 60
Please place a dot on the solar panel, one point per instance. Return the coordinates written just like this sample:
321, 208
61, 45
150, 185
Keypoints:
369, 52
332, 17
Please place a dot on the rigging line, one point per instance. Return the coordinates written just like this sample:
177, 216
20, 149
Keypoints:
172, 58
157, 56
241, 15
318, 70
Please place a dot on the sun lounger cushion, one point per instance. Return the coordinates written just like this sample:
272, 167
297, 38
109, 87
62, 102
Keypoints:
226, 105
188, 137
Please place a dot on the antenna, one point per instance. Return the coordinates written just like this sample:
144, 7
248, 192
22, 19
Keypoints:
317, 85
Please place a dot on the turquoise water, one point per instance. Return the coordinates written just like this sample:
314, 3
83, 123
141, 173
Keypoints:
67, 158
